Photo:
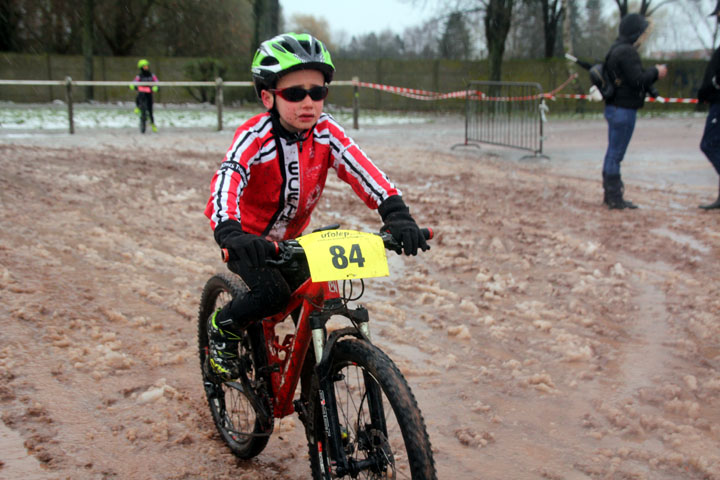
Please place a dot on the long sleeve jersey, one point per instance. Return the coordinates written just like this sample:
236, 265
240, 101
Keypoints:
144, 77
271, 184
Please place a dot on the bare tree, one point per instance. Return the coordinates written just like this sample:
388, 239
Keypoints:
316, 26
88, 43
498, 16
189, 28
386, 44
267, 21
50, 26
455, 42
123, 24
9, 26
552, 12
497, 21
422, 41
685, 25
646, 7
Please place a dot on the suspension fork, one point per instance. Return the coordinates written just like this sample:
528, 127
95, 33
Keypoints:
326, 394
328, 405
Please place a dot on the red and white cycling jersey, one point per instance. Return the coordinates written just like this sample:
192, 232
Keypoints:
273, 189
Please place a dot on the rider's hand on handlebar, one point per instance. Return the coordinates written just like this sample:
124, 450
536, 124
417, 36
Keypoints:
401, 225
408, 234
251, 250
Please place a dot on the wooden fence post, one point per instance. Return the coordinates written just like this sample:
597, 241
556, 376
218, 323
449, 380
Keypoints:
356, 103
69, 97
219, 101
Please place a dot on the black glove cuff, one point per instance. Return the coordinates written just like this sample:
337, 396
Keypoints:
392, 206
226, 230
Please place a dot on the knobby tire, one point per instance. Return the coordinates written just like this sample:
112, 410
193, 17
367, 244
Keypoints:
244, 432
358, 369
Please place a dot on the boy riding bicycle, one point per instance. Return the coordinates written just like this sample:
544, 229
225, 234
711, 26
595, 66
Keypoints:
272, 177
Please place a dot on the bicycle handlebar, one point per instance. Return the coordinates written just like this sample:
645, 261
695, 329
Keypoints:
287, 249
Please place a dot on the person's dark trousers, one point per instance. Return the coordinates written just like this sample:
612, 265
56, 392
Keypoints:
150, 108
710, 146
147, 99
268, 293
621, 125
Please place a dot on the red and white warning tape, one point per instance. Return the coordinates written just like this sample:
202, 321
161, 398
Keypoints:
478, 95
648, 99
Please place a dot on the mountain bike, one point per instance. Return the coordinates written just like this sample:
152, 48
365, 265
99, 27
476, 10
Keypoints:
360, 416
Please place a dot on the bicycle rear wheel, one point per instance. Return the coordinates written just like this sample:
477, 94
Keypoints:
240, 408
381, 425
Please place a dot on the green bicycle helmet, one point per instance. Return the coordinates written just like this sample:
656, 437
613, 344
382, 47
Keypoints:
142, 63
286, 53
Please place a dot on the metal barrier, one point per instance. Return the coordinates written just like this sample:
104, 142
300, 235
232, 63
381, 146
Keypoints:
68, 83
505, 113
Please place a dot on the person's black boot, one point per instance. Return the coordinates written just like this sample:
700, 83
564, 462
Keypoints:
615, 190
605, 189
715, 204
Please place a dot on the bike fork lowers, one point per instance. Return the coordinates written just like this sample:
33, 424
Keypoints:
326, 393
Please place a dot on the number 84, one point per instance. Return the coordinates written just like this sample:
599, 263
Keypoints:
340, 261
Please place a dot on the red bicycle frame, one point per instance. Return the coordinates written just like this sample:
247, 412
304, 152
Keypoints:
289, 354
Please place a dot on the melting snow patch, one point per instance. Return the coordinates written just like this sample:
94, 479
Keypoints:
460, 331
618, 270
157, 392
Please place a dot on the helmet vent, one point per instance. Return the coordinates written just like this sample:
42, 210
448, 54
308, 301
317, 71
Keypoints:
306, 46
283, 47
268, 61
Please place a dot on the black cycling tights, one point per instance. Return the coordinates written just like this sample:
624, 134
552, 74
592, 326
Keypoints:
268, 294
146, 100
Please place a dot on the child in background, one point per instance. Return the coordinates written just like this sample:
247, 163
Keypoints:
145, 93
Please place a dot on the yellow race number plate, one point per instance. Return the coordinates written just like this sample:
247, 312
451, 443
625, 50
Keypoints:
344, 254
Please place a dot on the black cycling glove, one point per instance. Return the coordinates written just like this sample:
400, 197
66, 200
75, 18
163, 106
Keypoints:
243, 247
398, 221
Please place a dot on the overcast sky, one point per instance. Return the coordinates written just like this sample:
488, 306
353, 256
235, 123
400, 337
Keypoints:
363, 16
677, 27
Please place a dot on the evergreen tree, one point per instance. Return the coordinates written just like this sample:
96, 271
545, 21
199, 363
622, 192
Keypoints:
455, 42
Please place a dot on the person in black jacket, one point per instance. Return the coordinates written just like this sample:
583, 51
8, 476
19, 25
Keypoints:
632, 83
709, 92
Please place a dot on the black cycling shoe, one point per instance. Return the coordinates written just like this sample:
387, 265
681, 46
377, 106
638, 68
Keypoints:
223, 348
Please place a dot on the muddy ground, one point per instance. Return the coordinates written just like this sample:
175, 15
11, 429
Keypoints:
544, 336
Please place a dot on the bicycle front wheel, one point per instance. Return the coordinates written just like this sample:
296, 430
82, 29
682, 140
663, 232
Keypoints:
234, 405
381, 427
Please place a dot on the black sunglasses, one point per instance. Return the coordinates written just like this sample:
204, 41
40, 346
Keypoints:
297, 94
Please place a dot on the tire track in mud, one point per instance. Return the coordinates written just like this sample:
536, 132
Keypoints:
646, 356
15, 461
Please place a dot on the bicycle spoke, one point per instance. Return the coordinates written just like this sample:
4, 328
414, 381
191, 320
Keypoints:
233, 412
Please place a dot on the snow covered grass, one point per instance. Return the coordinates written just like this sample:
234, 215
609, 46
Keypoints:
120, 115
